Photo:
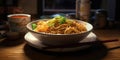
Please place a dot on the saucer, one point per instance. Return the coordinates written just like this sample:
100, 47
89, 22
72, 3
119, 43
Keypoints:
34, 42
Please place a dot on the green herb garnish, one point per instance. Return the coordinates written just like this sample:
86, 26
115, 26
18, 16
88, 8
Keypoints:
59, 19
34, 26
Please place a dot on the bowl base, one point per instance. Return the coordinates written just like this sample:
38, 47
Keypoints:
34, 42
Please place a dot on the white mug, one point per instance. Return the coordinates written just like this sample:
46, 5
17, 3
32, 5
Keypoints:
18, 22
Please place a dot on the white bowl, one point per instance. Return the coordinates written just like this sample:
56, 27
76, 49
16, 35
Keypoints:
60, 39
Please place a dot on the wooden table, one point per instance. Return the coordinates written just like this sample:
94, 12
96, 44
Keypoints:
106, 51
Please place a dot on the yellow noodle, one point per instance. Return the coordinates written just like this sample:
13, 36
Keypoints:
66, 28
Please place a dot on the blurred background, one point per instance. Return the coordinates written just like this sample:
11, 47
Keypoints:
109, 8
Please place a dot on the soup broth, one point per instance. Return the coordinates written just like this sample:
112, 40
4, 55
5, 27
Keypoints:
19, 16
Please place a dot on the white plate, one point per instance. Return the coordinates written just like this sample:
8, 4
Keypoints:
34, 42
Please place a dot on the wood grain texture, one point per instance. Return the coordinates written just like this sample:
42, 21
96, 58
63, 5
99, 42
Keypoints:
106, 51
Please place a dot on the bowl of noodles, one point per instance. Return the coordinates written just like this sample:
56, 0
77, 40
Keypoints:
59, 30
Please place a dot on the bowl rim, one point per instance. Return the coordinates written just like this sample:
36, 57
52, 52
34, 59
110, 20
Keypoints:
43, 33
10, 15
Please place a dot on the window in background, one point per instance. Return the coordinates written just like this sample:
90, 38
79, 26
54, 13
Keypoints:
58, 6
65, 6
